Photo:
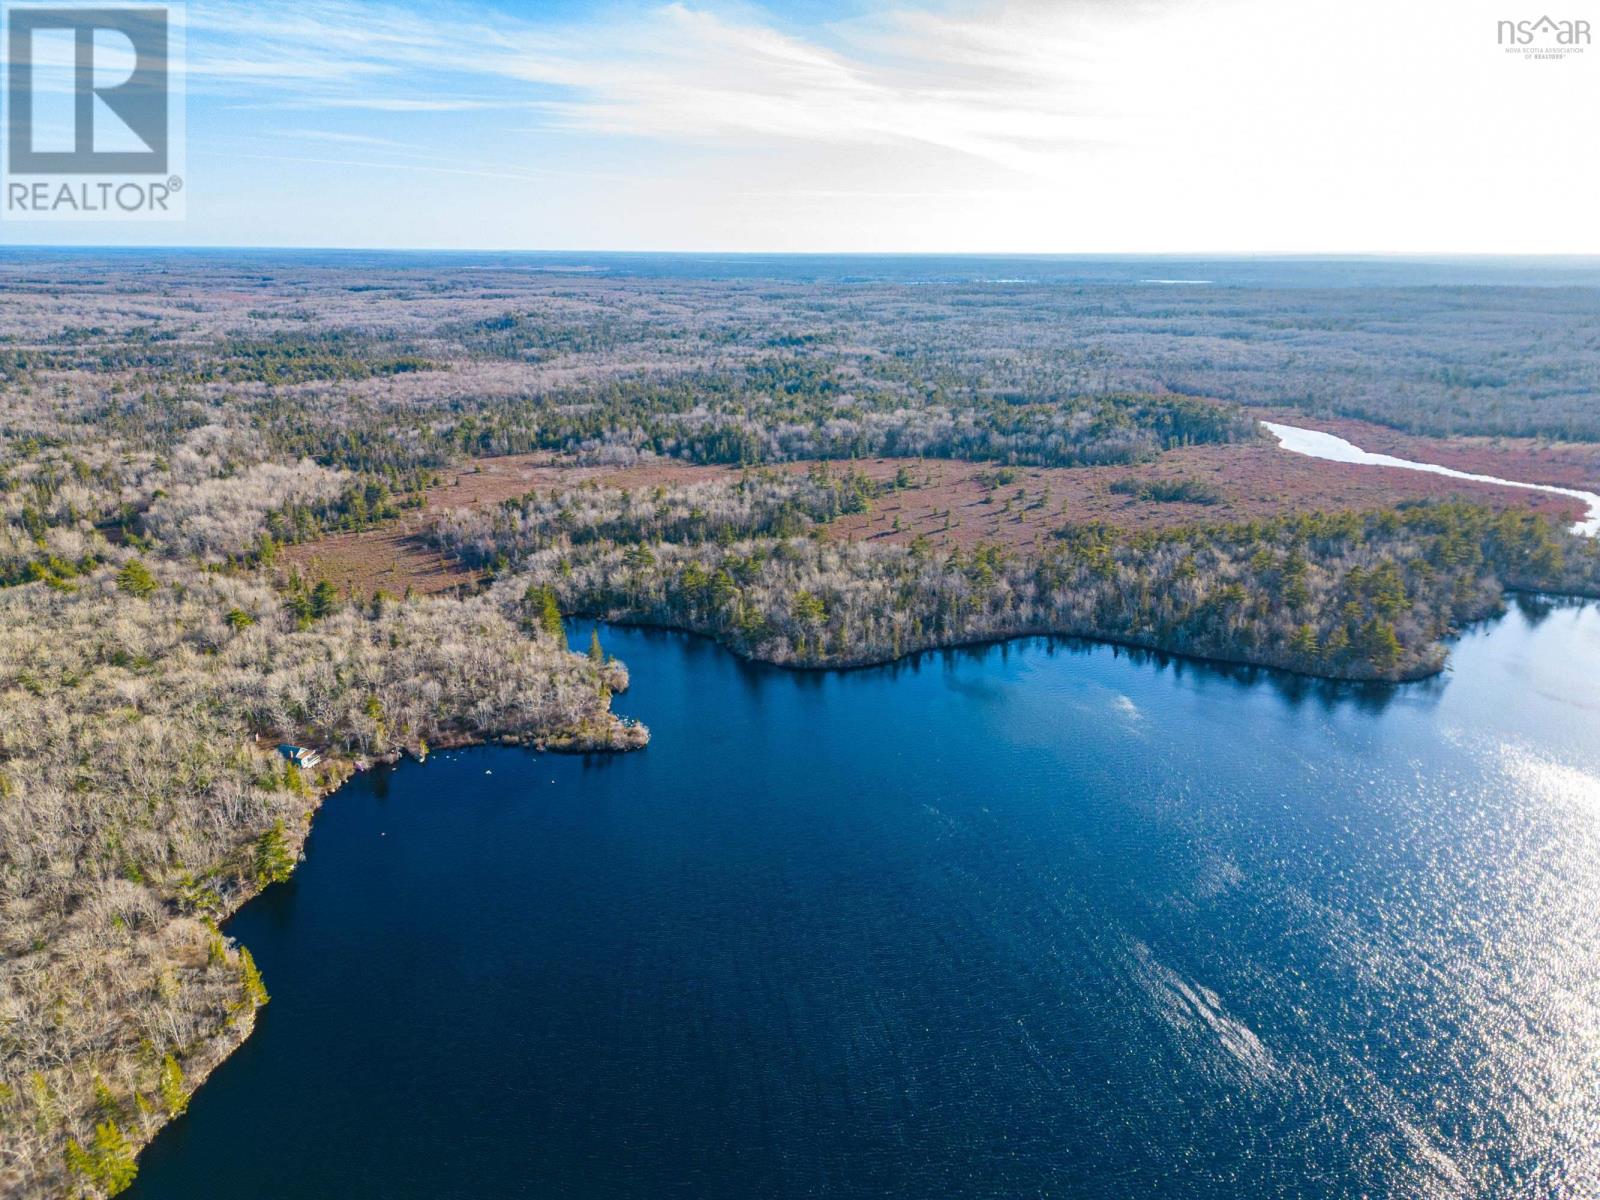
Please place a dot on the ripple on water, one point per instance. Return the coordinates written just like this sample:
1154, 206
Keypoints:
963, 931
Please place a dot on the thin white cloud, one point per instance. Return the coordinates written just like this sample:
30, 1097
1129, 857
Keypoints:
286, 72
408, 104
681, 73
344, 138
529, 174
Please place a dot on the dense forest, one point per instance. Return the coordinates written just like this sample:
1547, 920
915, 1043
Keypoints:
402, 370
142, 799
1358, 595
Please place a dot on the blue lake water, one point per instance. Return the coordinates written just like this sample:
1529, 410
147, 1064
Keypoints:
1040, 919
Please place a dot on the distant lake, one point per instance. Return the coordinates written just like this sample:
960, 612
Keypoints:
1038, 919
1317, 444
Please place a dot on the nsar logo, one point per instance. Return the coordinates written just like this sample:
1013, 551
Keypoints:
1543, 37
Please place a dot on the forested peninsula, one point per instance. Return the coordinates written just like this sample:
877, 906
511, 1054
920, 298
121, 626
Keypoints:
1364, 595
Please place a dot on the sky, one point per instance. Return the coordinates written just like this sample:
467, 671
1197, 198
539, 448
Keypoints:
1076, 126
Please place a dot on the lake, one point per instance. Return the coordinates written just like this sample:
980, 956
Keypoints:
1037, 919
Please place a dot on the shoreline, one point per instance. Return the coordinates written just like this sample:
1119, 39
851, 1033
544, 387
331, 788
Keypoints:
336, 771
868, 661
325, 780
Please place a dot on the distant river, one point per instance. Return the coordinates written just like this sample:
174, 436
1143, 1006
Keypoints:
1316, 444
1035, 920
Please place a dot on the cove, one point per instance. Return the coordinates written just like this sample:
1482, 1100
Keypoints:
1316, 444
1033, 919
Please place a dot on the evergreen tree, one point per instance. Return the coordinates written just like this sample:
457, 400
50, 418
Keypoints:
1304, 642
114, 1165
324, 600
1382, 647
380, 721
808, 609
105, 1103
136, 580
172, 1093
108, 1164
596, 654
274, 864
80, 1162
255, 991
299, 605
723, 589
547, 611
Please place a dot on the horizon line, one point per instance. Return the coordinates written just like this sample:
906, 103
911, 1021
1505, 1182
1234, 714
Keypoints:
1063, 254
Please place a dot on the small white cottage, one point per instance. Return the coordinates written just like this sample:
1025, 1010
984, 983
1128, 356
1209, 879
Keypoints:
300, 756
